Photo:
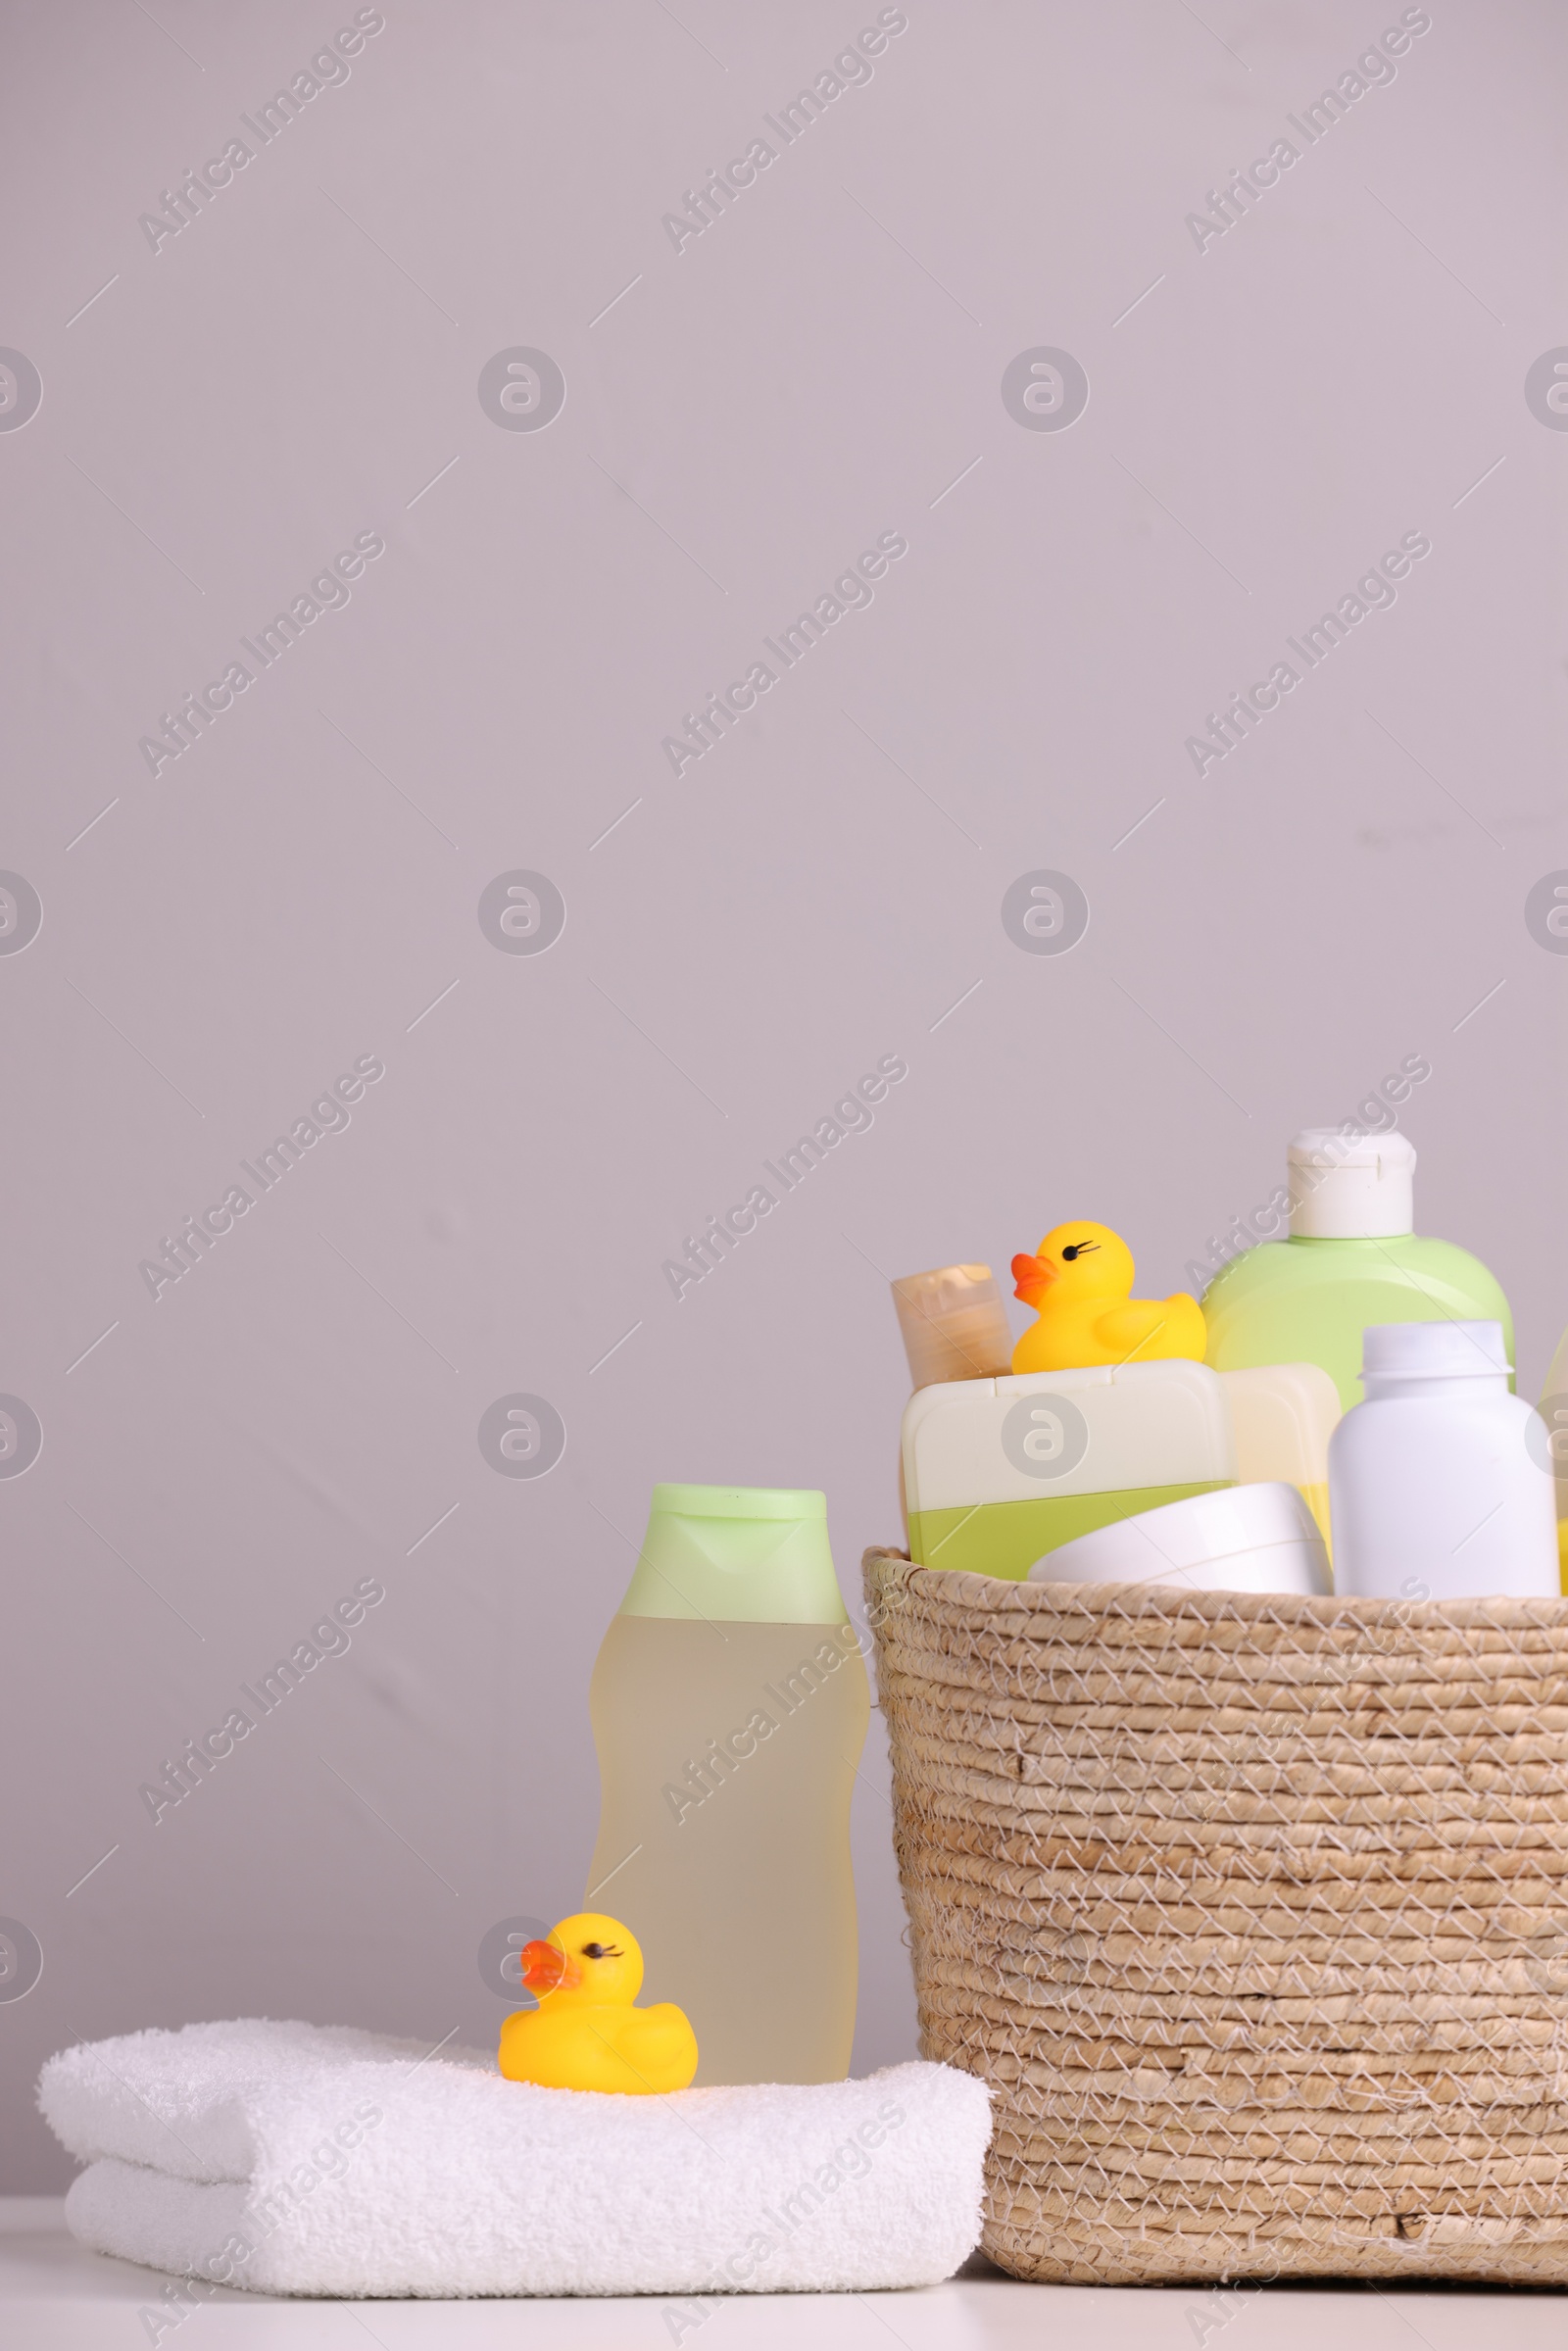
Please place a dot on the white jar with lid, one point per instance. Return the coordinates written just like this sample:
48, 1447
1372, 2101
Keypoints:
1438, 1480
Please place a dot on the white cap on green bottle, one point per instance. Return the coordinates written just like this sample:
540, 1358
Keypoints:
1350, 1187
742, 1554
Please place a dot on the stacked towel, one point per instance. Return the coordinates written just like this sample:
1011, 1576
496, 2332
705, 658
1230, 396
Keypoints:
306, 2159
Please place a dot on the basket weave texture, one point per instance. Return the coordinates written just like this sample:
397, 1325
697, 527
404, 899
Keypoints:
1252, 1912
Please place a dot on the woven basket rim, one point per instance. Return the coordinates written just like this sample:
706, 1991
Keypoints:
959, 1588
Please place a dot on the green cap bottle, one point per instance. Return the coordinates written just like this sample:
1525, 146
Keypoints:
729, 1707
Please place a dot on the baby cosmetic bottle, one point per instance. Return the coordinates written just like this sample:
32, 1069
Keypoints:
1439, 1482
729, 1705
1352, 1257
1554, 1414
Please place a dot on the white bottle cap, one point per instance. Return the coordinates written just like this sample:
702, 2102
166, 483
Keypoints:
1349, 1187
1433, 1350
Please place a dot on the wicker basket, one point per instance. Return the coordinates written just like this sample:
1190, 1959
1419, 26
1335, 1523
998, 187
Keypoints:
1253, 1912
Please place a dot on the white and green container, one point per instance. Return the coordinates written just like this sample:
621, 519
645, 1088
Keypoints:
998, 1472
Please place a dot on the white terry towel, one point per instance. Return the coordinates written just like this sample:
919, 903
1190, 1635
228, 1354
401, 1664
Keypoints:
308, 2159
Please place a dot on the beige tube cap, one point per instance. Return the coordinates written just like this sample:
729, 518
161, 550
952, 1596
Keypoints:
955, 1325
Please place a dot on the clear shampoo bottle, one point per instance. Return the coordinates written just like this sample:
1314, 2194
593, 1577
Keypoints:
729, 1705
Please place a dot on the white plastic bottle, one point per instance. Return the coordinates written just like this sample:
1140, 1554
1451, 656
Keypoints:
1437, 1487
1554, 1413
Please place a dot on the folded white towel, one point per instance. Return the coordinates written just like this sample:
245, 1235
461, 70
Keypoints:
309, 2159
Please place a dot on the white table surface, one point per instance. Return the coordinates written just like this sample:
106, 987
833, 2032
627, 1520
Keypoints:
56, 2297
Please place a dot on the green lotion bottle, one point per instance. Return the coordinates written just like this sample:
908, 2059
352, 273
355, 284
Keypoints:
1352, 1259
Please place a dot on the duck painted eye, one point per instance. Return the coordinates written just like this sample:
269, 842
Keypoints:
1077, 1248
602, 1951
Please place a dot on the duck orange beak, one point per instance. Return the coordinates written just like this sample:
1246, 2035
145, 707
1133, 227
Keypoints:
1033, 1277
544, 1969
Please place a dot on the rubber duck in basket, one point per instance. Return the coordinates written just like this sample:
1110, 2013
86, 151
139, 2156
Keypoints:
1079, 1280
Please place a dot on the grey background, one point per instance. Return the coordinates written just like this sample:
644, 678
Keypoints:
821, 889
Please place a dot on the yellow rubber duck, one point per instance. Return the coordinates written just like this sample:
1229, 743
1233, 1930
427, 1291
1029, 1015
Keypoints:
1079, 1283
585, 2034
